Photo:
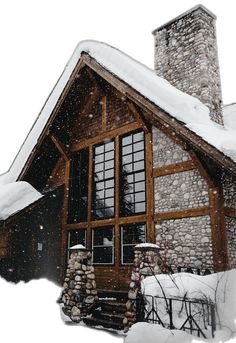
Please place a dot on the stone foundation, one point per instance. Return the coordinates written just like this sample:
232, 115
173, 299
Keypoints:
147, 262
79, 288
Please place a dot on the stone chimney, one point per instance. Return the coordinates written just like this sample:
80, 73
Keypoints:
186, 56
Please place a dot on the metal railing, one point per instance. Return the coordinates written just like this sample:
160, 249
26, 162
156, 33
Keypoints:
194, 316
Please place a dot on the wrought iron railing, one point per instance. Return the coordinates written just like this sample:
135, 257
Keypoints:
194, 316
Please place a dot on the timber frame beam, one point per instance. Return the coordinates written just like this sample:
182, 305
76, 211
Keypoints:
173, 168
194, 212
230, 212
62, 149
157, 116
217, 215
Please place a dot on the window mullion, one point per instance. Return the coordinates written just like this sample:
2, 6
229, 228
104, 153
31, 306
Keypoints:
90, 184
117, 177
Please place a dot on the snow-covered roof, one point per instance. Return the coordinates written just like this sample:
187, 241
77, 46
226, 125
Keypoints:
15, 196
229, 113
180, 105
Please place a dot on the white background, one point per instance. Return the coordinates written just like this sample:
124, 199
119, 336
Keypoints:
38, 37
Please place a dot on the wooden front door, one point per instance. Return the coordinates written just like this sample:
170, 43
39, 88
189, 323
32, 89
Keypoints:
113, 253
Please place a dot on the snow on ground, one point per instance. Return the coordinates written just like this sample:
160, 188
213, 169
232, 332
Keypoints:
180, 105
15, 196
29, 313
219, 288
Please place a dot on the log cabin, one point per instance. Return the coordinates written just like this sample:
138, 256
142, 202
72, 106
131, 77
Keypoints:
121, 155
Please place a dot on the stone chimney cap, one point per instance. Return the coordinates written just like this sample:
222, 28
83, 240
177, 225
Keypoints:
195, 8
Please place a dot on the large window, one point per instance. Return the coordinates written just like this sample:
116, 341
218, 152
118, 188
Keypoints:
109, 171
103, 177
103, 245
132, 180
131, 235
78, 192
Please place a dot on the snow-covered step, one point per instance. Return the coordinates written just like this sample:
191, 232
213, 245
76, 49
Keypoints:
110, 310
91, 321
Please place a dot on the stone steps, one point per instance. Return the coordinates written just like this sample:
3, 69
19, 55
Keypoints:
91, 321
110, 310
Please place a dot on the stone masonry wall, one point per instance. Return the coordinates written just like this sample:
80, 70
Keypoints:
186, 242
180, 191
186, 56
231, 231
229, 190
165, 151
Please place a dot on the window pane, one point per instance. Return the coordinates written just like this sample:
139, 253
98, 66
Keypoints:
78, 188
130, 236
103, 236
109, 173
132, 172
138, 137
133, 234
128, 254
100, 185
99, 176
109, 202
140, 197
139, 177
127, 159
109, 146
139, 165
109, 164
127, 140
127, 150
103, 245
138, 156
128, 168
109, 155
99, 149
103, 192
103, 255
100, 194
140, 186
76, 237
109, 184
98, 167
140, 207
129, 189
99, 158
109, 193
138, 146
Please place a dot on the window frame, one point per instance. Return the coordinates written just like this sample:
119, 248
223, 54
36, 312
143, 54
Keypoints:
134, 173
104, 180
100, 246
130, 245
68, 239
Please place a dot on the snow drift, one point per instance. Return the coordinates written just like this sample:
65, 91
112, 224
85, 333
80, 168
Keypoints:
219, 288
